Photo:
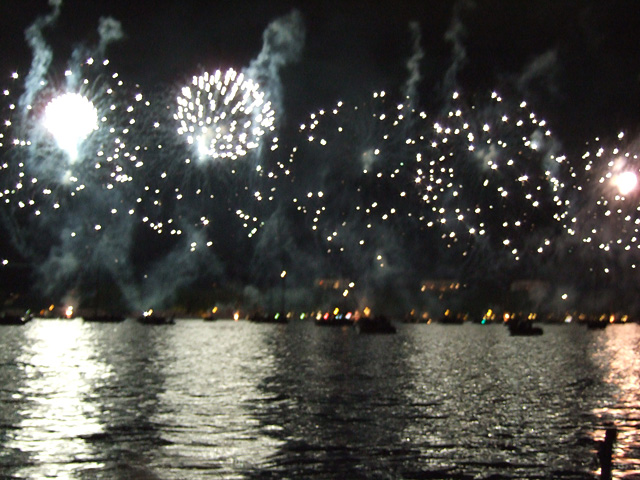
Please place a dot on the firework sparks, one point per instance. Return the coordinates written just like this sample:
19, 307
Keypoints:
71, 143
356, 197
70, 118
479, 177
626, 182
376, 185
223, 115
68, 165
607, 222
492, 171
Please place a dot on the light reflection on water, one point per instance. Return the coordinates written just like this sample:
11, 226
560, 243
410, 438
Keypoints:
58, 369
211, 385
618, 354
240, 400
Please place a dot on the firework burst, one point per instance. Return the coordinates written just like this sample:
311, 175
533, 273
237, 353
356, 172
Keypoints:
223, 115
68, 159
491, 173
352, 175
607, 216
70, 118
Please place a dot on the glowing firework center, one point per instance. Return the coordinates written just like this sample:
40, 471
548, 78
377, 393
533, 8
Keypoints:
223, 115
626, 182
70, 118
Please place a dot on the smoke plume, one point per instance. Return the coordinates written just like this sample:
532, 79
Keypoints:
42, 53
283, 41
413, 65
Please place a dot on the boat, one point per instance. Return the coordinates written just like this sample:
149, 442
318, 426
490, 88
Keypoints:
329, 320
518, 327
268, 318
411, 318
150, 318
377, 324
211, 315
597, 323
15, 319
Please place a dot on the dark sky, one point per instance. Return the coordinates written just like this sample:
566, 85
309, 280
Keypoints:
580, 58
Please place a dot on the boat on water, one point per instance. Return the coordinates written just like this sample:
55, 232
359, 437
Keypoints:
150, 318
411, 318
596, 324
330, 320
268, 318
15, 319
377, 324
211, 315
523, 327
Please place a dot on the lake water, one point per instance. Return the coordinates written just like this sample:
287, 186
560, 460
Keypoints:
231, 399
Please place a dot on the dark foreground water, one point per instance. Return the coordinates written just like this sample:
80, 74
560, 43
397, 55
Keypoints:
240, 400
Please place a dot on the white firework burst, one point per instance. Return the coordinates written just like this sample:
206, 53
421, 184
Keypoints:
223, 115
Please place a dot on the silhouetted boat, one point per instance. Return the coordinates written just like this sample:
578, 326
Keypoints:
519, 327
268, 318
415, 319
378, 324
15, 319
153, 319
596, 324
329, 320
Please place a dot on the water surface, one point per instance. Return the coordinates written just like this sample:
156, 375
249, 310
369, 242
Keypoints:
241, 400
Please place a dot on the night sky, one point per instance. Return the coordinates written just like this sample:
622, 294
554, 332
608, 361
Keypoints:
591, 86
576, 63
